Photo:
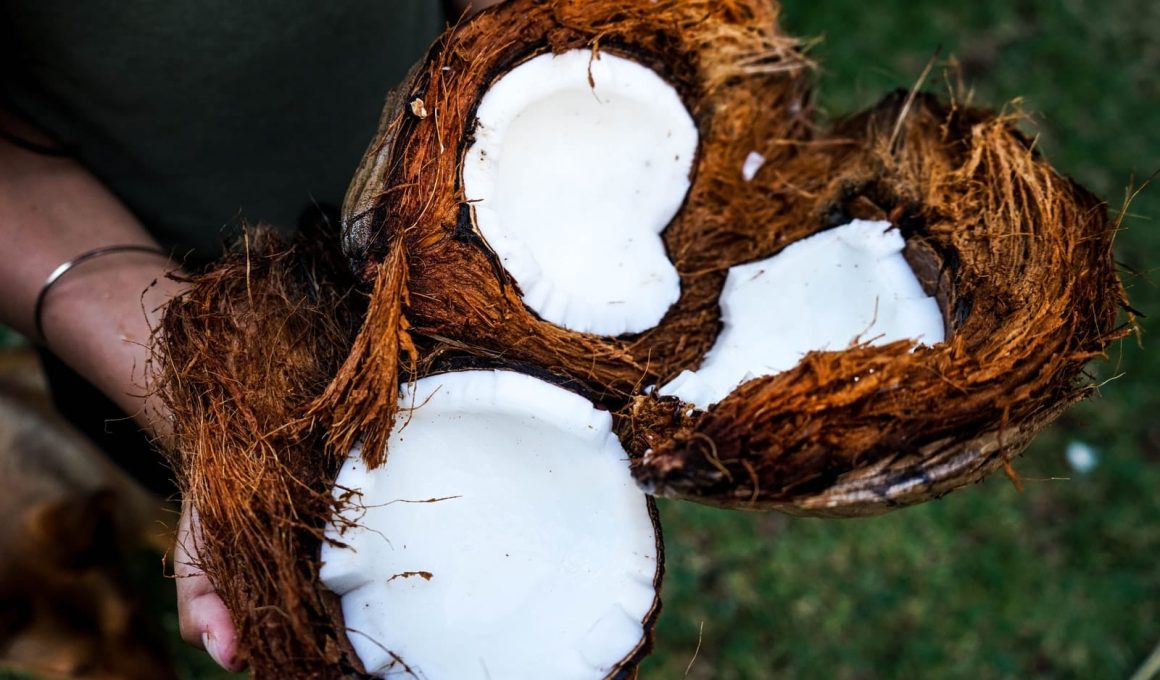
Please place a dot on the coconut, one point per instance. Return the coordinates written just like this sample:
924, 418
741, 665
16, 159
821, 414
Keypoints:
1018, 258
845, 286
705, 81
821, 322
480, 534
251, 351
577, 165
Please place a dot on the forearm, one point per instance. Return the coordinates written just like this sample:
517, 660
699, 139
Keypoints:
99, 316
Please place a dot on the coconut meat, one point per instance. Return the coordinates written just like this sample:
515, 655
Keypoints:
844, 286
578, 163
503, 538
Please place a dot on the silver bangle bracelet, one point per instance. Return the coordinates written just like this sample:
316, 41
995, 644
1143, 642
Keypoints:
66, 266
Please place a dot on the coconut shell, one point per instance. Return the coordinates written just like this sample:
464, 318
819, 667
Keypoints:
745, 85
1020, 261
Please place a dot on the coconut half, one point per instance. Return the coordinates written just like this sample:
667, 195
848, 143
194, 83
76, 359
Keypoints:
846, 286
579, 162
504, 537
561, 177
1017, 257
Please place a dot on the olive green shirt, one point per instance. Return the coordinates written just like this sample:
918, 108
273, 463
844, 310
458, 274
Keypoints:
201, 114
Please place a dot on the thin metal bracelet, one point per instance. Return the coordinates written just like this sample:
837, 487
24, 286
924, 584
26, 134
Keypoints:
66, 266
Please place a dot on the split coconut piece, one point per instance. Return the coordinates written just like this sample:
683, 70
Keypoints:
846, 286
561, 177
504, 537
579, 162
1019, 260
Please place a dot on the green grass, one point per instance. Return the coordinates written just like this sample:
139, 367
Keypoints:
1061, 580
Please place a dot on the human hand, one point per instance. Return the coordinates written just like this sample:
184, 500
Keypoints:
203, 618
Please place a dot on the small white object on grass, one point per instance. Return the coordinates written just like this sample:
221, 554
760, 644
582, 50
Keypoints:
503, 538
1081, 457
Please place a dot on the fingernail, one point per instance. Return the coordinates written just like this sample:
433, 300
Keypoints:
211, 646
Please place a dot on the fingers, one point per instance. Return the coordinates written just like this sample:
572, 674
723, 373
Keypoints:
203, 618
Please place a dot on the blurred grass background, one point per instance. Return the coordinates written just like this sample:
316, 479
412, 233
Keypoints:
1059, 581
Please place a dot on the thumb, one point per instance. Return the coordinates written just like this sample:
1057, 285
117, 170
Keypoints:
203, 618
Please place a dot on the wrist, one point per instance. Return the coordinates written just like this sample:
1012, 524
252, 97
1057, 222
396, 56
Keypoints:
68, 266
99, 317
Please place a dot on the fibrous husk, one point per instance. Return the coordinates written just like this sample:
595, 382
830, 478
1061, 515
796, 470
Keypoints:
273, 368
1020, 261
243, 355
745, 85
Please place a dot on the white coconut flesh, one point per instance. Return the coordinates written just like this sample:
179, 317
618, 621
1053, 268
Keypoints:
843, 286
578, 164
503, 538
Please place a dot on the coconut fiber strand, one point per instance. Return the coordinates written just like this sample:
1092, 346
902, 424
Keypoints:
280, 359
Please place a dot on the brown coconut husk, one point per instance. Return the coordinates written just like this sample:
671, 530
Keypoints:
746, 87
273, 368
243, 356
1020, 261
